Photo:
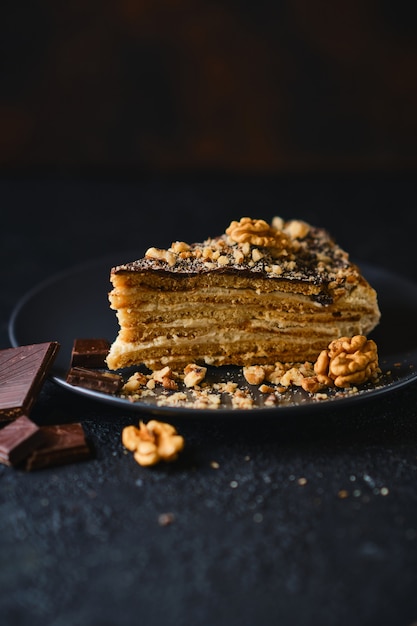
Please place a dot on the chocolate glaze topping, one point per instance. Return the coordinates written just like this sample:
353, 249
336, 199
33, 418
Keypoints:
314, 258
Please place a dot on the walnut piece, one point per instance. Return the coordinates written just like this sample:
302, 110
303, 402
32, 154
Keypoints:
179, 246
296, 229
165, 377
283, 374
257, 233
152, 442
135, 382
254, 374
293, 376
347, 361
161, 255
194, 374
311, 384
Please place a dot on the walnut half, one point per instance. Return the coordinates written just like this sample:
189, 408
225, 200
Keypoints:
347, 361
152, 442
256, 233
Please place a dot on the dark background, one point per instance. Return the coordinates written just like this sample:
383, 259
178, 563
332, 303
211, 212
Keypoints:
122, 88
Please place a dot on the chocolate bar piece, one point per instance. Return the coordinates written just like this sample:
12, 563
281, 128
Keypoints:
22, 373
18, 439
89, 352
107, 382
63, 443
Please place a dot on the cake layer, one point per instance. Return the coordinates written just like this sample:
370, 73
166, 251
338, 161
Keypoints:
280, 294
212, 349
270, 313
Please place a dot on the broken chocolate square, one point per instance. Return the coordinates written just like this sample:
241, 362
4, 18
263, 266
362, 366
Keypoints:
18, 439
63, 443
89, 353
22, 373
106, 382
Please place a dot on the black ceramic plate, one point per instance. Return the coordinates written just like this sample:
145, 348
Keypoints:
75, 305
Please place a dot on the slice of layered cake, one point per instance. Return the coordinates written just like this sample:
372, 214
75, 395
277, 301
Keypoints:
259, 293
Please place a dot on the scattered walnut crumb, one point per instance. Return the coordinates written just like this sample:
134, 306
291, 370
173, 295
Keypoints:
161, 255
160, 375
343, 494
165, 519
169, 383
257, 255
194, 374
180, 246
321, 396
296, 229
223, 259
242, 400
311, 384
266, 389
135, 382
238, 256
228, 387
293, 376
254, 374
271, 400
176, 399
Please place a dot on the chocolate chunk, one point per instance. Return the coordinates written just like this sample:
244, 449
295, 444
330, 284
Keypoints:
64, 443
107, 382
22, 373
89, 352
18, 439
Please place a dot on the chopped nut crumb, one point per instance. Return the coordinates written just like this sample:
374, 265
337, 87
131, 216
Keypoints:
159, 375
161, 255
164, 519
194, 374
343, 493
266, 389
254, 374
180, 246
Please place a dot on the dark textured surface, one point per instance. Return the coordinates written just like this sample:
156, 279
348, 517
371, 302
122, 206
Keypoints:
307, 520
